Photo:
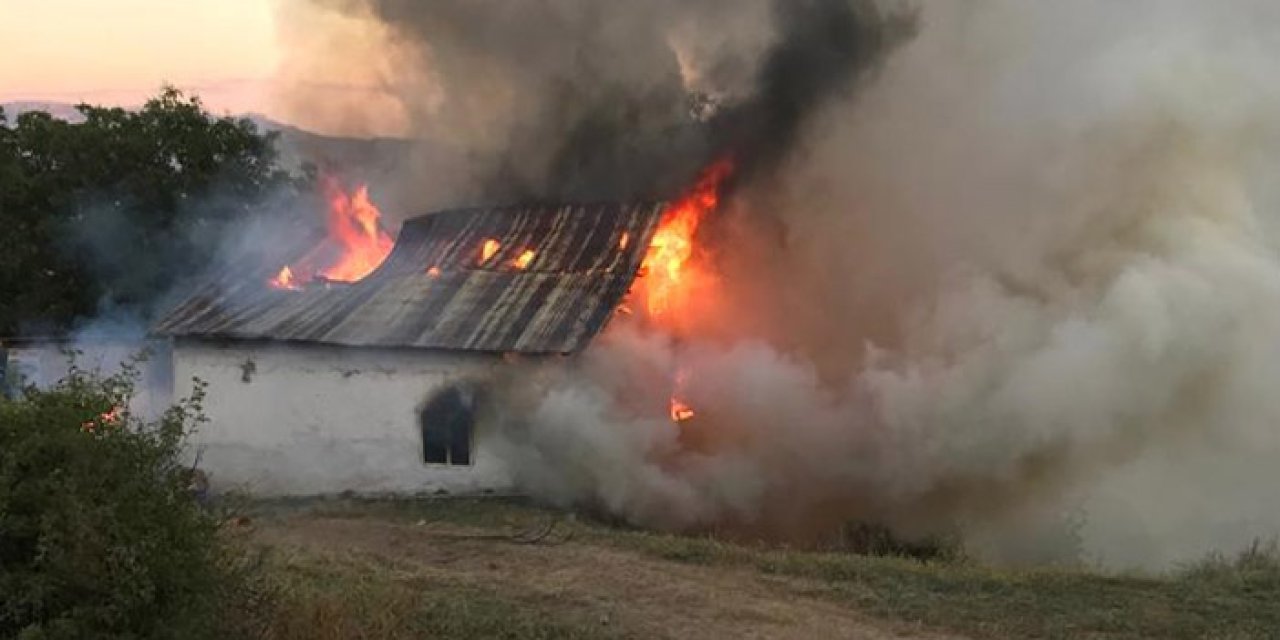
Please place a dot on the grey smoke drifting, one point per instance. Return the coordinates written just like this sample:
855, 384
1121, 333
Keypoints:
576, 99
1027, 268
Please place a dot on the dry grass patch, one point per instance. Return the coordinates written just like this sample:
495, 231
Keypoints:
329, 596
1218, 598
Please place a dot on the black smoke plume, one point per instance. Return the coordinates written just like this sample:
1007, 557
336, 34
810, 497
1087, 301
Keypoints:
579, 100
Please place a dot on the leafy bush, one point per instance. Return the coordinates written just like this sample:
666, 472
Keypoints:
100, 535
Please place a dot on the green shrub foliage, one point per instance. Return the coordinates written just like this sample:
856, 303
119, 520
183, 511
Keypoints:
100, 535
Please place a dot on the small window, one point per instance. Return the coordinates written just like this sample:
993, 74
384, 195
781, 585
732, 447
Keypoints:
447, 422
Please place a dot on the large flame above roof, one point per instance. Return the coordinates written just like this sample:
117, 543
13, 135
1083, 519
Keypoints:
674, 272
665, 287
356, 244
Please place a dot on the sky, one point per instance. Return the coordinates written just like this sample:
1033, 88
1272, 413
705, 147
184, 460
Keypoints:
122, 51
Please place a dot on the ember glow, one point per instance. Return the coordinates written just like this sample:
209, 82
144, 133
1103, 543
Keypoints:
525, 258
664, 287
285, 280
356, 244
680, 411
110, 418
489, 249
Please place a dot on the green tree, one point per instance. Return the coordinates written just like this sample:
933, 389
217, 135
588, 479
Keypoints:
118, 208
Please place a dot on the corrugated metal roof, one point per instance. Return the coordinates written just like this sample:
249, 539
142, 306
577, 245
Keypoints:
580, 271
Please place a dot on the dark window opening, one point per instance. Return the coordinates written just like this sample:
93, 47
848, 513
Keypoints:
447, 422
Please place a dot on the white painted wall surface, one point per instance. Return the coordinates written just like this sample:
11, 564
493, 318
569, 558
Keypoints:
315, 419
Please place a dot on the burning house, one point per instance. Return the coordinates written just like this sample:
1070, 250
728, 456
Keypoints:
363, 363
370, 377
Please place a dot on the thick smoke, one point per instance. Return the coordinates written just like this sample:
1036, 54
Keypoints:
579, 100
1021, 278
1057, 236
529, 100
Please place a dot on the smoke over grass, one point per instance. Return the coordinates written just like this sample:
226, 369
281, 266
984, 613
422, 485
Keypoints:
1016, 275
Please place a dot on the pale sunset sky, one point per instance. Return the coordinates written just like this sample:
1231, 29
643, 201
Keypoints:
121, 51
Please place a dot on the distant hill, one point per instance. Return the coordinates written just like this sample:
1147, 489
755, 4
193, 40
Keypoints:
59, 110
370, 155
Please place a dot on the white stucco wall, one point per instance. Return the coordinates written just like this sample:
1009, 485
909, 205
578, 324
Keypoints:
314, 419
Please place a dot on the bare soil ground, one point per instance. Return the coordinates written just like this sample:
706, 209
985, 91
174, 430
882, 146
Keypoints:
624, 592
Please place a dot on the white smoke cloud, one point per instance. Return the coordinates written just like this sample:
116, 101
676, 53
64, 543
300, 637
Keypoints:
1032, 269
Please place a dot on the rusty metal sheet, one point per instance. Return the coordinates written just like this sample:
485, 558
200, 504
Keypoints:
436, 292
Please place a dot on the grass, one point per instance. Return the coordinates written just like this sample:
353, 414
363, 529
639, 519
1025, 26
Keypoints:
1217, 598
323, 597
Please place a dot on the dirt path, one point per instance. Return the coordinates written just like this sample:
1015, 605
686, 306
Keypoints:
649, 597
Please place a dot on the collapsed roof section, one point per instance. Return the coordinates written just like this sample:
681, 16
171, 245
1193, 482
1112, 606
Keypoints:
525, 279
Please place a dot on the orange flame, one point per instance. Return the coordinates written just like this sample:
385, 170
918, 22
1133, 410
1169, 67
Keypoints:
525, 258
489, 249
664, 265
680, 411
356, 243
354, 225
624, 241
433, 272
110, 418
285, 280
668, 279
